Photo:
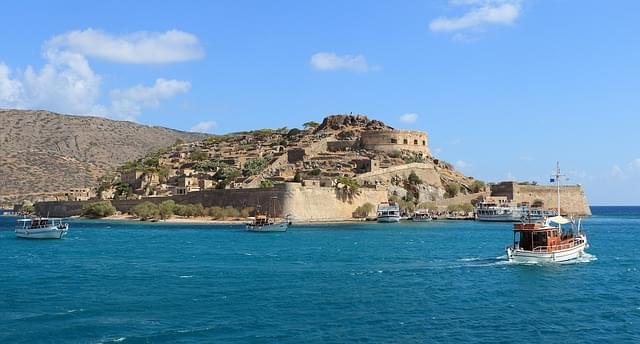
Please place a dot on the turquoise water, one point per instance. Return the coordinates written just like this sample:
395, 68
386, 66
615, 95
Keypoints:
445, 282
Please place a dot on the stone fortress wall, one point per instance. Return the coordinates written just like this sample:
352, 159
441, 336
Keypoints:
395, 140
573, 200
303, 203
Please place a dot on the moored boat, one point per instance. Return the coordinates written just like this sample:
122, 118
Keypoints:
268, 222
547, 241
421, 215
41, 228
388, 212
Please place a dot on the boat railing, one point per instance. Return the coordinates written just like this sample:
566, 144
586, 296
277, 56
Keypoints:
573, 243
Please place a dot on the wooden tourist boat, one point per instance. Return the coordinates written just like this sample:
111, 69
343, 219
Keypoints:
547, 241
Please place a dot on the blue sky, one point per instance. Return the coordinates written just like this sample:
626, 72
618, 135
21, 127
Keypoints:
505, 88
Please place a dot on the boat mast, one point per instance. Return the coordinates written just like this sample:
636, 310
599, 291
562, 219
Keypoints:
558, 183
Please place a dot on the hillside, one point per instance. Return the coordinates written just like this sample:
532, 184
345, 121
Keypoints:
342, 150
46, 153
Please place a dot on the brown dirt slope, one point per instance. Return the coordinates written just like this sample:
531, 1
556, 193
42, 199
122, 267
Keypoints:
43, 152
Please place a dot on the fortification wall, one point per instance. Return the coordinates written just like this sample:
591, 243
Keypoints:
394, 140
426, 172
312, 204
572, 197
237, 198
303, 203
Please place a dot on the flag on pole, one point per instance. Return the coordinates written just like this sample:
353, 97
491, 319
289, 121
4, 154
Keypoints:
552, 180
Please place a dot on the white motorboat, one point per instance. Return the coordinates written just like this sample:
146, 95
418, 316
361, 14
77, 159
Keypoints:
41, 228
421, 215
388, 212
506, 213
546, 241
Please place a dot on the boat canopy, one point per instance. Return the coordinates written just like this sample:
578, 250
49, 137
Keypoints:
559, 220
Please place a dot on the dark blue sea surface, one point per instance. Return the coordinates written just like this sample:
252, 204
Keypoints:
439, 282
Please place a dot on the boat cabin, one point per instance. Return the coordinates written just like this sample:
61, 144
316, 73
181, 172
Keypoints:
537, 237
34, 223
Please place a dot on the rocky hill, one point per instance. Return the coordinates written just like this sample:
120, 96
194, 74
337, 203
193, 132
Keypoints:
46, 153
326, 154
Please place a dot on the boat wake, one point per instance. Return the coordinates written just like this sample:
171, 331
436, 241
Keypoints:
483, 261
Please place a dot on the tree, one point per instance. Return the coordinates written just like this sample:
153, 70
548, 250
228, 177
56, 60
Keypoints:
406, 206
98, 209
253, 167
198, 155
146, 211
123, 190
414, 179
348, 185
178, 142
27, 209
310, 125
166, 208
477, 186
452, 189
363, 210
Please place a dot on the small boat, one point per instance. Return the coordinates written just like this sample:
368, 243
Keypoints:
266, 223
547, 241
388, 212
263, 223
487, 211
41, 228
421, 215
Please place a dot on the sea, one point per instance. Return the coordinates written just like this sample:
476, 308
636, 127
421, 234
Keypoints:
438, 282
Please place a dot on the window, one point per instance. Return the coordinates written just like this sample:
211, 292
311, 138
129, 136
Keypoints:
405, 141
424, 143
394, 141
415, 142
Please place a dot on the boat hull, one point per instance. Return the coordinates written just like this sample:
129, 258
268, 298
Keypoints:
388, 219
276, 227
521, 256
41, 233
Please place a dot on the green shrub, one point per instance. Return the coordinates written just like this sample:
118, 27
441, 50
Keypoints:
414, 179
452, 189
198, 155
364, 210
98, 209
146, 211
248, 211
407, 206
428, 205
266, 184
477, 186
230, 212
216, 212
166, 209
253, 167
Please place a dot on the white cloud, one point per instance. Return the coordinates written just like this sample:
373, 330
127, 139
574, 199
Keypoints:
68, 84
480, 13
635, 163
324, 61
617, 172
409, 118
204, 127
130, 102
137, 47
